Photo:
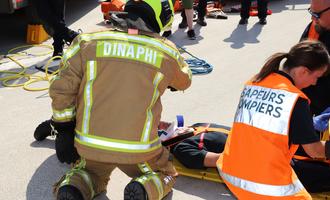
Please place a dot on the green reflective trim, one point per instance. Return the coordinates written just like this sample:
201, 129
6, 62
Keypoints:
145, 168
159, 185
169, 24
156, 181
88, 94
87, 180
145, 136
78, 169
108, 144
157, 8
139, 39
70, 52
142, 180
69, 174
113, 35
64, 115
131, 51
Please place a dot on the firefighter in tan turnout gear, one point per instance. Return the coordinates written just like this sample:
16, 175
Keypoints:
107, 100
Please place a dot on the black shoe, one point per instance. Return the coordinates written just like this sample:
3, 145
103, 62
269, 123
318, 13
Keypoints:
191, 34
243, 21
43, 130
201, 22
58, 48
262, 21
135, 191
57, 53
167, 33
69, 192
183, 24
71, 34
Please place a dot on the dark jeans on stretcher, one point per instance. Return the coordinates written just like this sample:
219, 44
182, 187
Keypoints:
314, 175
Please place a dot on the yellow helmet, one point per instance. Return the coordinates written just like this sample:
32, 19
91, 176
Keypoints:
157, 14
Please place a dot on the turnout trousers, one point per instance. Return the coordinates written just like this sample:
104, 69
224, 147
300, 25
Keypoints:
91, 177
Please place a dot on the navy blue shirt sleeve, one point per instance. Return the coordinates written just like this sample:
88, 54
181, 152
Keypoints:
301, 124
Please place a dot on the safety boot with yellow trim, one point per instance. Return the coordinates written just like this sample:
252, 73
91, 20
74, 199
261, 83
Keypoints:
135, 191
69, 192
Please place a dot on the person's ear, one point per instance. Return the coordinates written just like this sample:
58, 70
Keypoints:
304, 70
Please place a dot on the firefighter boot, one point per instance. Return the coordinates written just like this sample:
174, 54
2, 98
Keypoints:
149, 186
43, 130
69, 192
135, 191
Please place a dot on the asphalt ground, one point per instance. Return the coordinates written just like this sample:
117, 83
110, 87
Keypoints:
28, 168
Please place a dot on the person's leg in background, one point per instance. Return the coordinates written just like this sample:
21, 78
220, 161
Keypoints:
183, 23
154, 178
46, 13
201, 9
59, 9
187, 18
245, 11
53, 12
262, 11
86, 180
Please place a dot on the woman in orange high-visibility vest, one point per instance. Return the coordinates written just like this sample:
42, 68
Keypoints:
256, 161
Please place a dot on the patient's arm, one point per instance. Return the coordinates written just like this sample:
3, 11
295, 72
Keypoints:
315, 150
211, 159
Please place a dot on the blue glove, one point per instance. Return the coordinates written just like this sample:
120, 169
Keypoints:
321, 122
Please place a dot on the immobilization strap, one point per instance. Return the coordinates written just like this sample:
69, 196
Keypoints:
198, 129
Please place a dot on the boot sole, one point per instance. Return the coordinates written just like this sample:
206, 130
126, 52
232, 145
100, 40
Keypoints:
135, 191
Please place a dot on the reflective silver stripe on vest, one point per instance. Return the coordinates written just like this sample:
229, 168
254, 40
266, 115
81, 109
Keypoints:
152, 178
264, 189
88, 94
266, 108
146, 169
159, 185
71, 51
64, 115
148, 123
116, 145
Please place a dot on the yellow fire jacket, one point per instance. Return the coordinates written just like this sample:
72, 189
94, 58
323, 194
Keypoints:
111, 83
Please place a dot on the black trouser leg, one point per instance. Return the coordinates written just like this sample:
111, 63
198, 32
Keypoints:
201, 8
262, 9
245, 8
52, 12
183, 15
315, 176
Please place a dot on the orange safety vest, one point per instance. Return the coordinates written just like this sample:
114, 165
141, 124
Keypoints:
256, 161
312, 34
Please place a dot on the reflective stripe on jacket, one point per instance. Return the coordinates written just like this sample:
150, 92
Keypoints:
256, 159
111, 83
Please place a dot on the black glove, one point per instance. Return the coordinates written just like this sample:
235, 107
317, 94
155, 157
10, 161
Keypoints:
64, 142
43, 130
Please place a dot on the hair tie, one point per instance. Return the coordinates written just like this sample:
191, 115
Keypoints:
287, 55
